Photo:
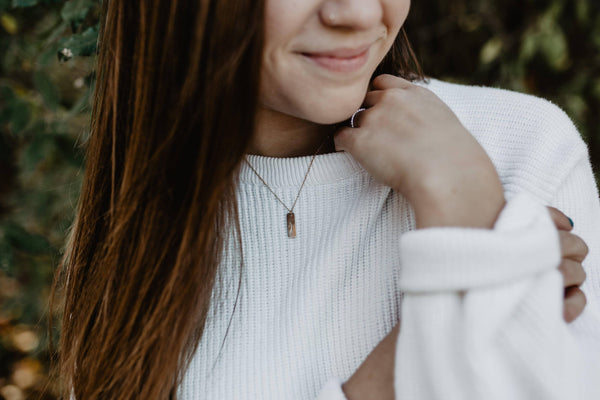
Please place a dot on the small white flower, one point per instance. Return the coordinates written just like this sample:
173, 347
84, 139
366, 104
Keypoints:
67, 52
78, 83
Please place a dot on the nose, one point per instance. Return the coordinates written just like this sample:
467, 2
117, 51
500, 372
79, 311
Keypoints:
352, 14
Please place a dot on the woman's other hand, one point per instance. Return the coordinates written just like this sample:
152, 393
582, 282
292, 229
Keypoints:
374, 379
410, 140
574, 250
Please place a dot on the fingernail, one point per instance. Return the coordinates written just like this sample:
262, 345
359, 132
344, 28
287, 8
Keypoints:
571, 222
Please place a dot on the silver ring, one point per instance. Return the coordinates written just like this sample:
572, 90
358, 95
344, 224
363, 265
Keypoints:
354, 115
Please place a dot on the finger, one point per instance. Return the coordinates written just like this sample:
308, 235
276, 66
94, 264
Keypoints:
373, 97
560, 219
356, 117
572, 272
572, 246
387, 81
574, 303
345, 139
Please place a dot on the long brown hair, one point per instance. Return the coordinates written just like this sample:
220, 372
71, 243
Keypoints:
173, 113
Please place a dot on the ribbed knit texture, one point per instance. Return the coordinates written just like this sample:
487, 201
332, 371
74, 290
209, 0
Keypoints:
481, 310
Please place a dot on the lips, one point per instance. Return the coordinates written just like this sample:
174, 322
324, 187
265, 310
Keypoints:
343, 60
341, 52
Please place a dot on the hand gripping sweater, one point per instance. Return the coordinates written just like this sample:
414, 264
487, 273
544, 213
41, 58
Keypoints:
480, 310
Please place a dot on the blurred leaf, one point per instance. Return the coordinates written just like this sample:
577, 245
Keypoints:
555, 49
24, 3
491, 50
19, 115
470, 22
575, 105
83, 44
23, 240
57, 32
6, 97
75, 11
47, 89
529, 46
6, 257
9, 23
547, 38
582, 9
5, 4
596, 88
39, 149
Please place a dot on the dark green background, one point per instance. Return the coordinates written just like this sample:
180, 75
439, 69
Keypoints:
548, 48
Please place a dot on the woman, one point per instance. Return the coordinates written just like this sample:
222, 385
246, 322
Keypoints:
234, 240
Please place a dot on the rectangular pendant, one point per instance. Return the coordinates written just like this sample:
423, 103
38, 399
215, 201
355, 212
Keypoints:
291, 225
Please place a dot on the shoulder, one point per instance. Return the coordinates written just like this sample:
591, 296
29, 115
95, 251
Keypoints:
532, 142
490, 111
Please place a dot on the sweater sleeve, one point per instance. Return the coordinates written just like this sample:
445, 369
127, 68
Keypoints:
482, 312
578, 198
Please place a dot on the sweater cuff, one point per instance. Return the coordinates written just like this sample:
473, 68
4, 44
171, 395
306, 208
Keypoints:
523, 242
332, 390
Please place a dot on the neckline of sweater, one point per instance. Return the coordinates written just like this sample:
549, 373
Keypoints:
290, 171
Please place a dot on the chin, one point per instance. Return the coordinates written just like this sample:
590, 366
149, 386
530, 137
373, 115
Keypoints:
328, 115
323, 103
332, 109
332, 106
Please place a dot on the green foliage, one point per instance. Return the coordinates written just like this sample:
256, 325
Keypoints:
83, 44
549, 48
44, 115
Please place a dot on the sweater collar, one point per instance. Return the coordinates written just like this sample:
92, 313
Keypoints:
290, 171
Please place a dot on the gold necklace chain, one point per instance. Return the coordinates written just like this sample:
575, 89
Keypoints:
291, 219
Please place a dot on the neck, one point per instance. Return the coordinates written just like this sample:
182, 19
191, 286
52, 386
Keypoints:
280, 135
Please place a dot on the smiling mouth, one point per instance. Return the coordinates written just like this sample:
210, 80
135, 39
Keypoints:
340, 60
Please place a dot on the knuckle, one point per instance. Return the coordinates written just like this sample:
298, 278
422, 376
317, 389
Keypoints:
581, 246
377, 79
579, 274
420, 89
586, 249
572, 272
391, 95
572, 245
345, 138
574, 304
384, 80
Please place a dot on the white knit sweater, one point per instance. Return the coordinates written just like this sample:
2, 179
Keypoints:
481, 310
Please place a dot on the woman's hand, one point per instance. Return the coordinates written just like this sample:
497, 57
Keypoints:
574, 250
410, 140
374, 379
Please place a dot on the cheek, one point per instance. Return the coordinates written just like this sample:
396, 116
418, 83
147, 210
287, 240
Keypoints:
274, 92
395, 13
284, 19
